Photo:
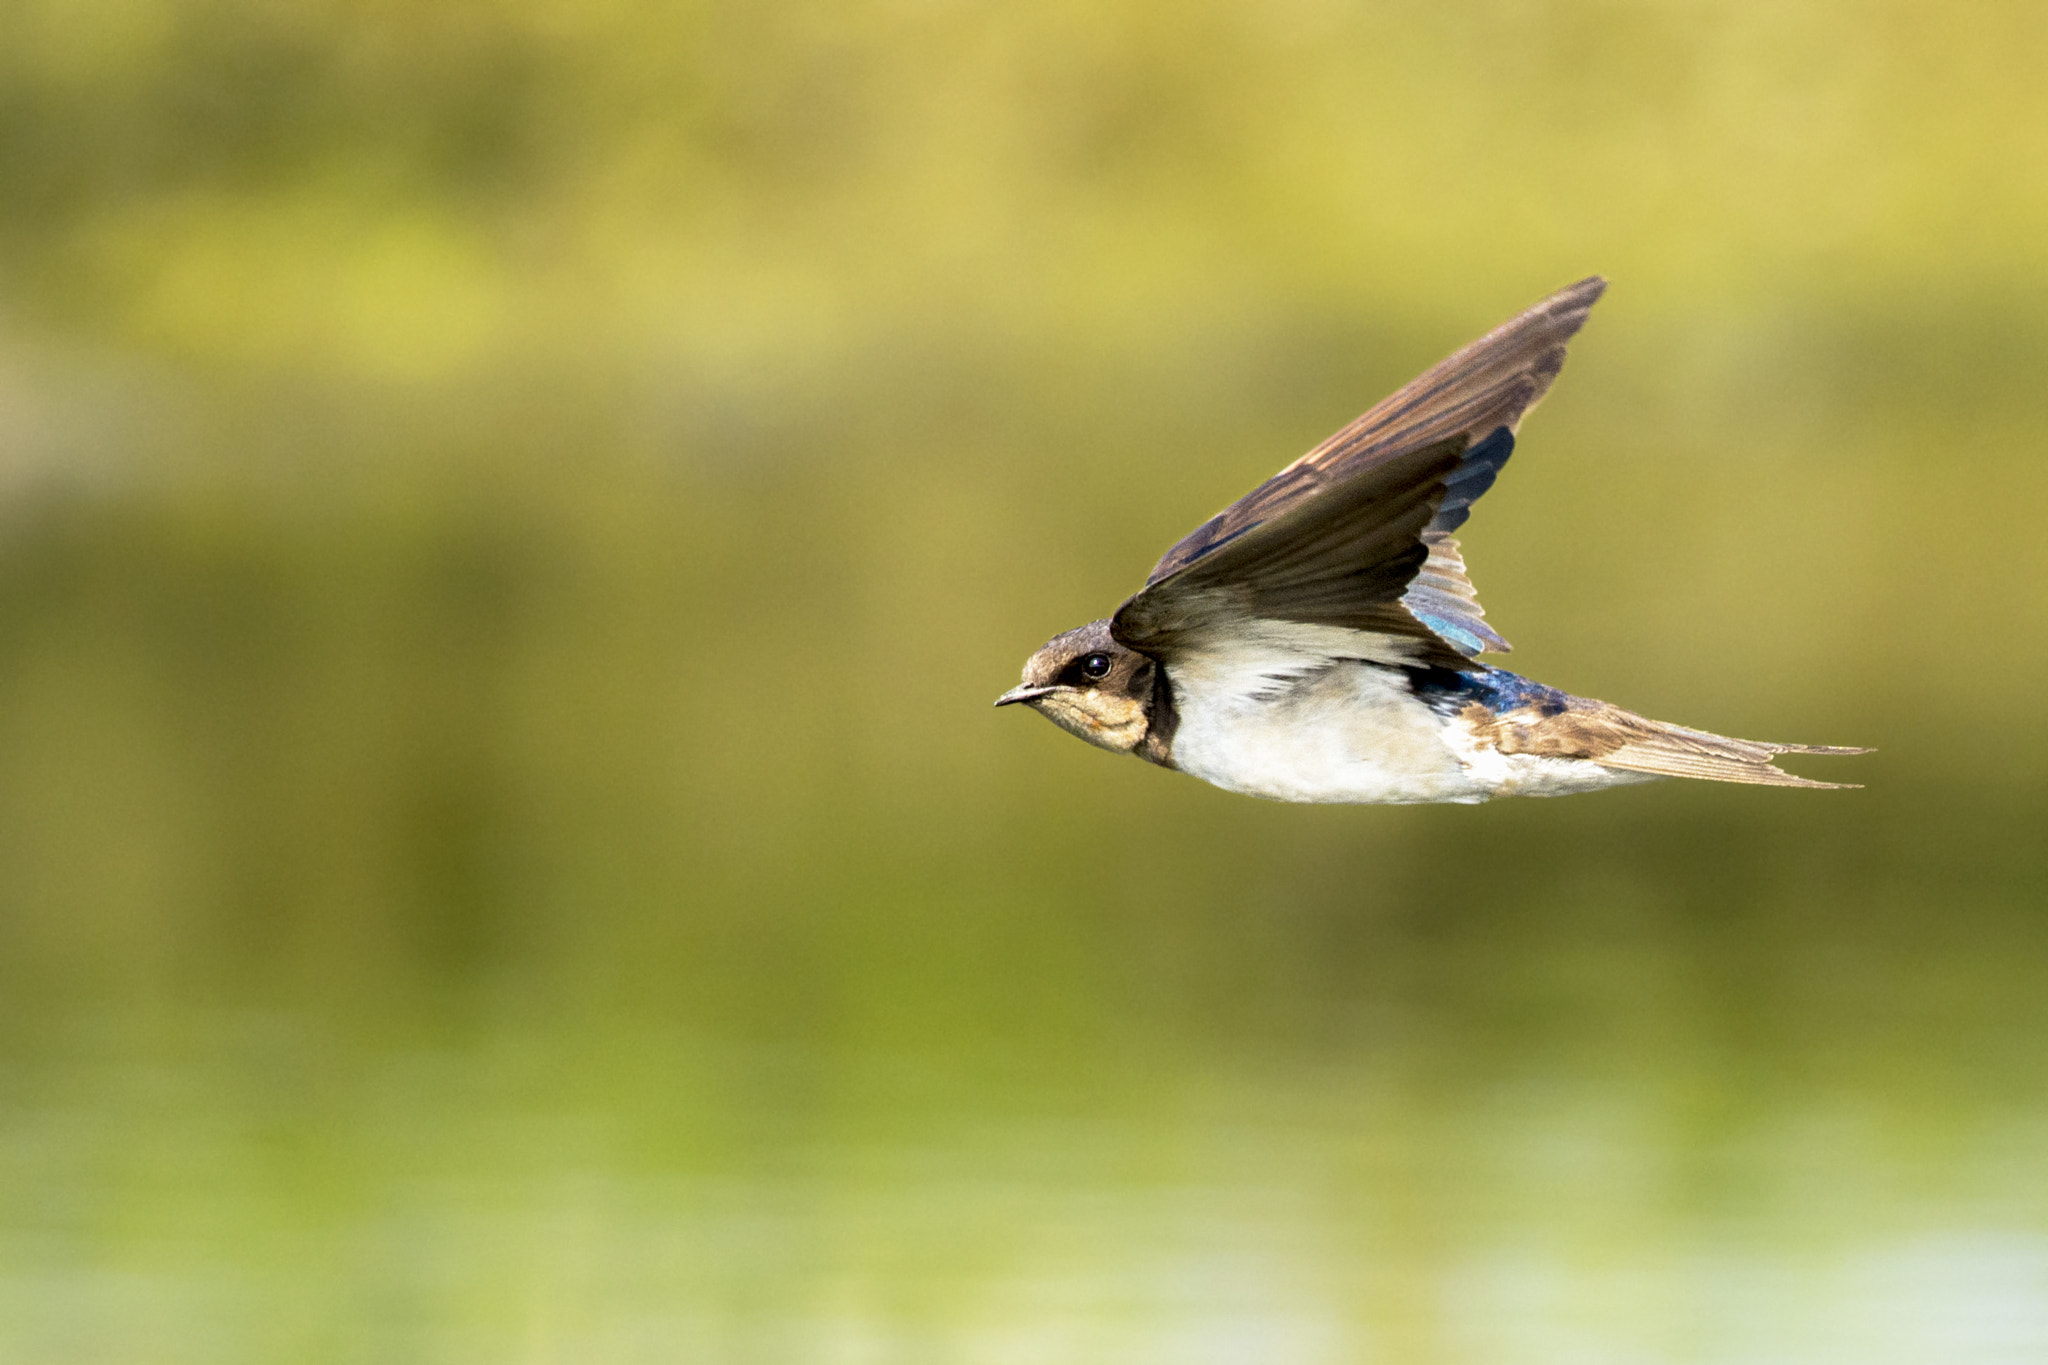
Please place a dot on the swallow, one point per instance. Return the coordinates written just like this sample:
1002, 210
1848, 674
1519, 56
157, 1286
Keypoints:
1318, 639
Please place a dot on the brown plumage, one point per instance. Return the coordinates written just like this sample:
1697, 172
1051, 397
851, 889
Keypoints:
1493, 382
1615, 738
1357, 533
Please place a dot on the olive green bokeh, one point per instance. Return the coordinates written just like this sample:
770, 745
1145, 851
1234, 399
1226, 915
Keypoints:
514, 514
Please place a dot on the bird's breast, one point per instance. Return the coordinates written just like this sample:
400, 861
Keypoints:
1347, 732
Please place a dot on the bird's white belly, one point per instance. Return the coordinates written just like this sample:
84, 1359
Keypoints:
1354, 734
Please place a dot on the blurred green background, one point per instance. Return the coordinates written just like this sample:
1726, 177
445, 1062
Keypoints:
513, 512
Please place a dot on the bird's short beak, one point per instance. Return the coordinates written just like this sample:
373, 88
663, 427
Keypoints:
1021, 693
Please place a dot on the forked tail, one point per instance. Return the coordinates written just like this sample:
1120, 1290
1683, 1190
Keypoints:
1674, 751
1614, 738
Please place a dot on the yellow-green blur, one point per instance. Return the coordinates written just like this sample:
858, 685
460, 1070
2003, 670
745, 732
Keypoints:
513, 512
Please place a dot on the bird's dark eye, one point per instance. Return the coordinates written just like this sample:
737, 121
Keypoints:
1096, 665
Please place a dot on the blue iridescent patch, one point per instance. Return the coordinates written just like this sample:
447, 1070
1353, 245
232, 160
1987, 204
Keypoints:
1475, 473
1448, 691
1452, 634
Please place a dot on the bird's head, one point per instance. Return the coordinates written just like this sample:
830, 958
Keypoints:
1089, 685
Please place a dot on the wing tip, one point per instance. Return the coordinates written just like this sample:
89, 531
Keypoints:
1557, 319
1569, 306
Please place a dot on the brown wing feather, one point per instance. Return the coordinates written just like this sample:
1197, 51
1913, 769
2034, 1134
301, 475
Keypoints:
1339, 536
1341, 559
1491, 383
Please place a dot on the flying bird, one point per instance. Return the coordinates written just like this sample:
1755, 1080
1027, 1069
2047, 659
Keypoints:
1318, 639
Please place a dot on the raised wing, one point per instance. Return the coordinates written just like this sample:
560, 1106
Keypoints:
1356, 534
